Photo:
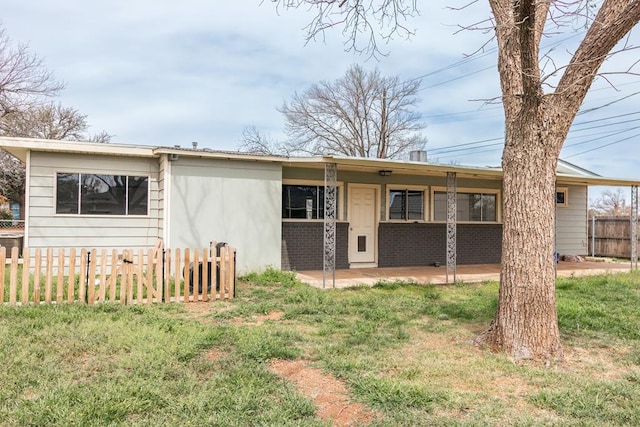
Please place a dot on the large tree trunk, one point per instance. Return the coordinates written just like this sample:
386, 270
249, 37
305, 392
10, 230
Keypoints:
526, 324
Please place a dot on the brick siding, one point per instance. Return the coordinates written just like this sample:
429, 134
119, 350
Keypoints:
302, 245
399, 245
411, 244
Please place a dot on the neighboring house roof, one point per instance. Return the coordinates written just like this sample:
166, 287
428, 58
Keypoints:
567, 168
567, 173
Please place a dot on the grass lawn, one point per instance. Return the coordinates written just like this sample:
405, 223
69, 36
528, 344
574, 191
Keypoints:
402, 351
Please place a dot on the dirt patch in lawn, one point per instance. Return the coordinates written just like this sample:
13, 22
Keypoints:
215, 355
329, 395
274, 316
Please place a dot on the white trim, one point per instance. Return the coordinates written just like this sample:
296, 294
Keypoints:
400, 187
166, 231
377, 188
27, 202
564, 190
469, 190
316, 182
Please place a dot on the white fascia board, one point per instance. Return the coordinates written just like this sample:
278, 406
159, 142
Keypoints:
20, 146
220, 155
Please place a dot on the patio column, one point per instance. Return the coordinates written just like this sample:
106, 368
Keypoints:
329, 236
633, 229
451, 224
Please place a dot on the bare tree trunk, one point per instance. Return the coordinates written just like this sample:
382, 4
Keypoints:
526, 323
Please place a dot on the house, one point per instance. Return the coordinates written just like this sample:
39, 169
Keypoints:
387, 213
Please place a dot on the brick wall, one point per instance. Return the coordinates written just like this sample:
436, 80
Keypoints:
302, 245
479, 243
411, 244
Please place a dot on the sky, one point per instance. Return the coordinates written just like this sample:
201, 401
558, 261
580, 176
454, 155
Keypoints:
169, 73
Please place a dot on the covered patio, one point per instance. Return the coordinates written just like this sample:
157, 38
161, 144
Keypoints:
438, 275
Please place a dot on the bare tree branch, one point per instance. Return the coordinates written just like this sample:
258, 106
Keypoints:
364, 23
23, 78
361, 114
610, 203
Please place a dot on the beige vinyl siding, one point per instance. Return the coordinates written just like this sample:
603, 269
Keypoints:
46, 229
571, 222
238, 202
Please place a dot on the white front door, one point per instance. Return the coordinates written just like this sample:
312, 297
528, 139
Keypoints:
362, 225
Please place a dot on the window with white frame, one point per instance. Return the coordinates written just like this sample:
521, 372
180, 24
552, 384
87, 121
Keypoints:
304, 201
480, 206
92, 194
562, 197
406, 204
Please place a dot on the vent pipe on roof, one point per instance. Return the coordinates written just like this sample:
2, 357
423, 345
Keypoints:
418, 156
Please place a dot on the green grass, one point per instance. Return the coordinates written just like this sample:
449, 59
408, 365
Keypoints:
402, 349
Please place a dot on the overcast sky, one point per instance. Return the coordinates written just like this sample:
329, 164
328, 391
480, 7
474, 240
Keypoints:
167, 73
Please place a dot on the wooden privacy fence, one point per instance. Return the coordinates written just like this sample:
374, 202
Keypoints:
124, 276
611, 238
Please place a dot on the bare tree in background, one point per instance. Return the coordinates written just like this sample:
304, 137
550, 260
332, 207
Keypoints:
12, 177
24, 85
610, 203
49, 121
24, 80
361, 114
536, 125
253, 141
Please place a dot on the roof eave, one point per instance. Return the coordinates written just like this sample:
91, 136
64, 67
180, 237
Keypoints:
210, 154
20, 146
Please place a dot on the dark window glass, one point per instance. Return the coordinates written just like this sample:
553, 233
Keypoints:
440, 206
303, 201
489, 211
90, 194
415, 205
397, 204
67, 193
406, 204
103, 195
560, 197
137, 195
470, 207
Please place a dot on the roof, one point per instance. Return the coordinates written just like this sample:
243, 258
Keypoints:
571, 169
567, 173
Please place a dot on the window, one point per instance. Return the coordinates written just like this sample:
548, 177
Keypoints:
90, 194
562, 199
304, 201
473, 207
406, 205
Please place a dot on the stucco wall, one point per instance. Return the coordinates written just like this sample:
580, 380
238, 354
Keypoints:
238, 202
47, 229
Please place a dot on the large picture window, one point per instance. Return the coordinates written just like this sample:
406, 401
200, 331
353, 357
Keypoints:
91, 194
473, 207
303, 201
406, 205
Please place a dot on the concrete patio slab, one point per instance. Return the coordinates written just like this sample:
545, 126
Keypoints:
437, 275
